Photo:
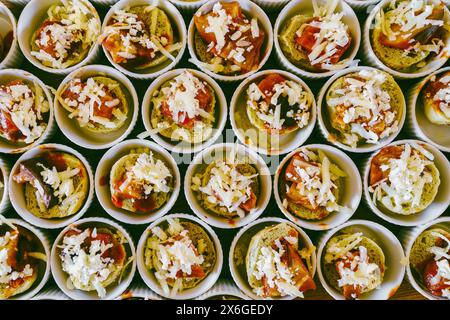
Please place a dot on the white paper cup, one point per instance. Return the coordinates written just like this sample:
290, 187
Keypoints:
179, 29
271, 5
408, 238
83, 137
43, 272
325, 125
418, 123
102, 181
296, 7
188, 6
240, 245
434, 210
350, 197
223, 288
51, 295
32, 16
20, 3
182, 146
372, 59
393, 252
251, 10
112, 291
138, 293
8, 23
286, 142
16, 190
8, 75
218, 152
150, 279
362, 6
4, 197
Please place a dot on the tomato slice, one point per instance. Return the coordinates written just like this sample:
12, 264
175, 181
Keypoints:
250, 203
382, 157
266, 85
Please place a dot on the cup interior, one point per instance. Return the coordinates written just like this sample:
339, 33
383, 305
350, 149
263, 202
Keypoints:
350, 200
7, 28
102, 181
259, 140
84, 137
393, 252
219, 152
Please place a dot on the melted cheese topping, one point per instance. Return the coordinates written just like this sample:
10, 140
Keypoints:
86, 266
366, 104
62, 184
149, 173
226, 186
332, 34
271, 113
88, 97
25, 108
181, 97
7, 274
406, 180
405, 17
277, 274
75, 24
317, 180
360, 273
176, 254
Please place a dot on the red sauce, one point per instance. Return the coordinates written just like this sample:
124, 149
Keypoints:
432, 88
144, 205
56, 159
266, 85
382, 157
104, 181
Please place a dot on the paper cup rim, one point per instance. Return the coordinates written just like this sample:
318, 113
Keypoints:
386, 233
307, 131
206, 284
317, 225
211, 218
46, 245
129, 217
417, 232
308, 74
4, 169
42, 222
234, 273
138, 291
112, 73
397, 219
55, 261
321, 105
91, 54
414, 99
398, 74
225, 288
265, 23
14, 43
172, 12
174, 147
25, 75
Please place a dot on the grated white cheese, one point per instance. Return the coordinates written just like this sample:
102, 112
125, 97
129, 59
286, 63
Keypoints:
366, 106
61, 182
406, 180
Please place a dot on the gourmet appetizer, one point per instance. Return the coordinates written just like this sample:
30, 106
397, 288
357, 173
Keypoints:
429, 259
364, 107
436, 99
353, 264
407, 34
184, 109
277, 105
317, 42
66, 36
227, 41
21, 255
140, 182
311, 185
180, 253
403, 178
276, 266
228, 187
98, 103
56, 184
24, 112
93, 258
140, 37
